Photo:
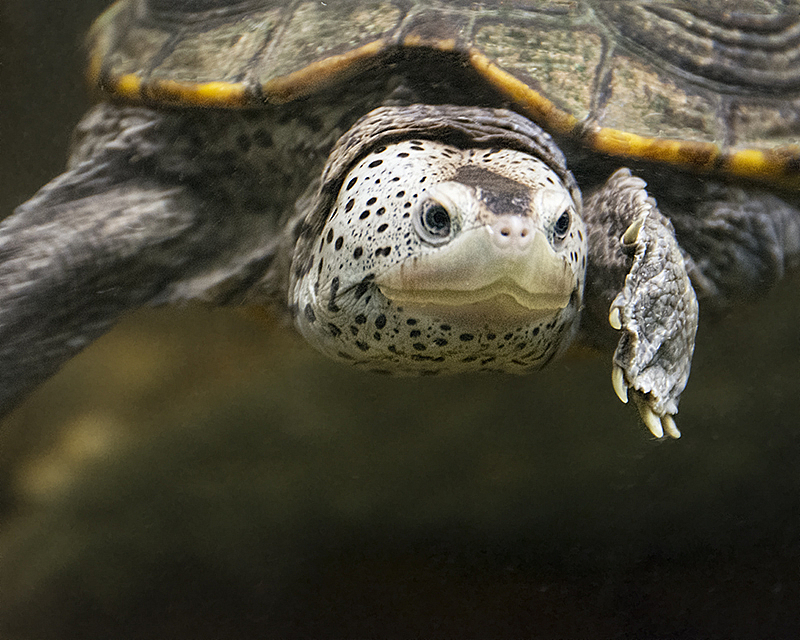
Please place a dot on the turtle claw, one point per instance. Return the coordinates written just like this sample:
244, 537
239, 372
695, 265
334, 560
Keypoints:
618, 382
656, 312
614, 319
659, 426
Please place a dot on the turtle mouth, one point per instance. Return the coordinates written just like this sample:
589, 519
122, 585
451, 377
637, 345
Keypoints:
473, 276
503, 299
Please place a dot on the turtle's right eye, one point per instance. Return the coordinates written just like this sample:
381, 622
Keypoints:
433, 222
562, 225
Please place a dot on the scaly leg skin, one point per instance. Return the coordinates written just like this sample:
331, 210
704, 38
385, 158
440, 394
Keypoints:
658, 313
656, 310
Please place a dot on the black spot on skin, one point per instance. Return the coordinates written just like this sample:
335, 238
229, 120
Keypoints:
508, 336
466, 337
377, 335
262, 138
469, 359
411, 321
362, 345
403, 155
339, 243
490, 336
371, 201
445, 327
375, 163
334, 290
392, 348
243, 142
358, 252
349, 205
335, 331
363, 286
416, 333
487, 360
383, 228
329, 237
364, 215
384, 251
360, 318
440, 342
354, 330
419, 346
310, 315
380, 321
351, 184
380, 211
400, 194
535, 331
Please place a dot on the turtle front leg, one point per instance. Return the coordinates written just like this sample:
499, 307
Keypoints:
635, 257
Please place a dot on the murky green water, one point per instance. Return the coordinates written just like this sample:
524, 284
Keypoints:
198, 474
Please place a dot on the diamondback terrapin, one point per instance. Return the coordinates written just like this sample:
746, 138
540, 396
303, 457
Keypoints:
393, 176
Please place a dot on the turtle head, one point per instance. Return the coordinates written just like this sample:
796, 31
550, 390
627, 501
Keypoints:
435, 258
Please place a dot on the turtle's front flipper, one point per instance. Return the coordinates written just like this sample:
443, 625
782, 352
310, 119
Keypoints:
635, 262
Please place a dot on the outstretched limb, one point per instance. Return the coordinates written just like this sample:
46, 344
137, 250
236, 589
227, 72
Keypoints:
733, 244
128, 225
637, 283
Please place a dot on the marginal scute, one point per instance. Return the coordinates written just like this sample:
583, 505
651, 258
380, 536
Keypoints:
644, 101
316, 31
560, 63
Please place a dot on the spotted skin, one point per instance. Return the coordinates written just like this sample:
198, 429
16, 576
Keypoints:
371, 229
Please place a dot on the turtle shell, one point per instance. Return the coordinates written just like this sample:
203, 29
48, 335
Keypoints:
712, 85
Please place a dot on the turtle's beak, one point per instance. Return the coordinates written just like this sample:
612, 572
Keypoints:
507, 263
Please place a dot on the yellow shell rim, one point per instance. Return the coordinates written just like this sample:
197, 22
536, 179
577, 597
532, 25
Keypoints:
779, 166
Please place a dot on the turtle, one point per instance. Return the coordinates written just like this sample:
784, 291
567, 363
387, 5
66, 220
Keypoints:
423, 188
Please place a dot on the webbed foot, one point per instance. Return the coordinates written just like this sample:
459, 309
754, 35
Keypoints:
657, 312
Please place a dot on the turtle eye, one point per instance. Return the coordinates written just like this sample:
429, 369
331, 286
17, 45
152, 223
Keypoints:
433, 222
562, 225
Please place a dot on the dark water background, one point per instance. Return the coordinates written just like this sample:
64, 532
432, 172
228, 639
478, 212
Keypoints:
199, 474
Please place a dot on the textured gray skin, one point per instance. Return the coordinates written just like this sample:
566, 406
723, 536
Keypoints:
165, 207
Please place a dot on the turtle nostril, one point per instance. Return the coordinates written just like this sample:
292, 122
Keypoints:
512, 231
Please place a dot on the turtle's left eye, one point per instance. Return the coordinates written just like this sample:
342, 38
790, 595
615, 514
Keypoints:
562, 225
